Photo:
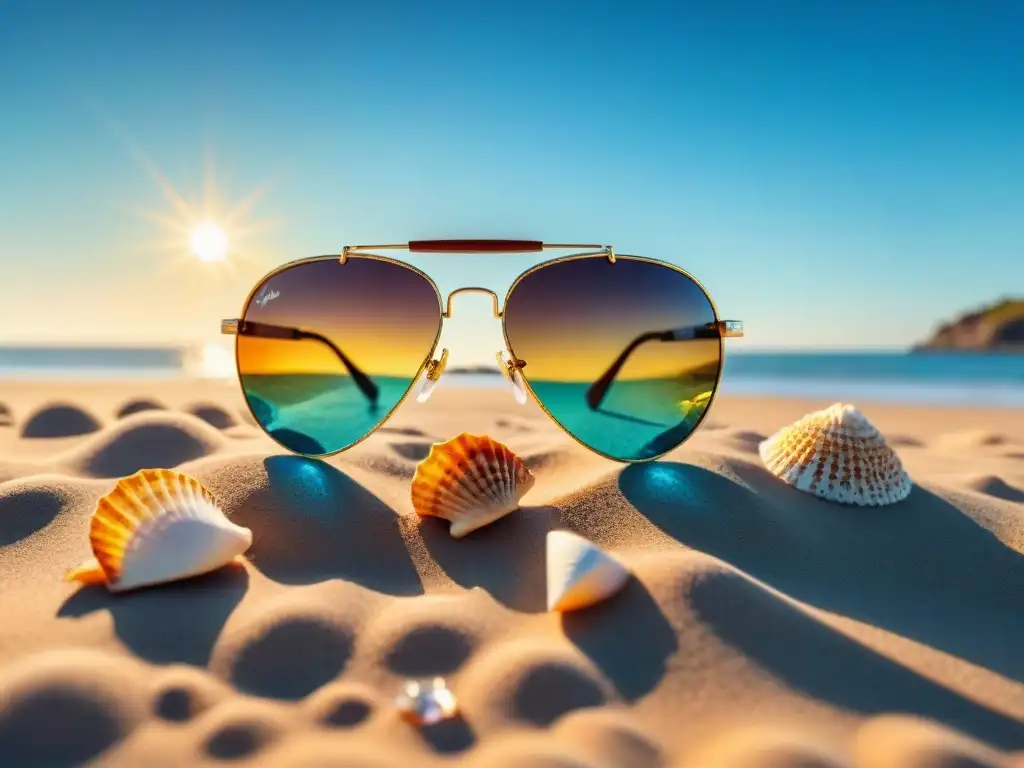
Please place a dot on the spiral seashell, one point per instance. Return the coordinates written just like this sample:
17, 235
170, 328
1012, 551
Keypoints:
837, 455
158, 526
470, 480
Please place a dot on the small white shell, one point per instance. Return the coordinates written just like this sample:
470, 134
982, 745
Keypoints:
470, 480
837, 455
158, 526
580, 573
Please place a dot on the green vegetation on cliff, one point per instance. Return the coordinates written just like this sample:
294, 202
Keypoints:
998, 327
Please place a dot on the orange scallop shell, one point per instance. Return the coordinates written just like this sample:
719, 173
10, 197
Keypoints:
471, 480
156, 526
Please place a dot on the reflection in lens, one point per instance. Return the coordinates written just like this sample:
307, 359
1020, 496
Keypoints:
326, 350
624, 356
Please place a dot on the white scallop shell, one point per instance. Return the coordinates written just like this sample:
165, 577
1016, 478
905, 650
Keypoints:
158, 526
837, 455
470, 480
580, 573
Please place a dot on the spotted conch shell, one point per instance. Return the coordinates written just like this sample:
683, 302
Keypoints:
157, 526
837, 455
580, 573
470, 480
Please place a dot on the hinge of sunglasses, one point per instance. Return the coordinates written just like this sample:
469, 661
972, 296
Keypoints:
731, 329
229, 327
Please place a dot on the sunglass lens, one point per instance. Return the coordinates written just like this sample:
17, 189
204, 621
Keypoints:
625, 355
327, 350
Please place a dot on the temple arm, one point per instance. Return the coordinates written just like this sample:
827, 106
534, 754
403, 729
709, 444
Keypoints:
287, 333
719, 329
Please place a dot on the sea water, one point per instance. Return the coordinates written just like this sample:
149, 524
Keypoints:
930, 378
927, 378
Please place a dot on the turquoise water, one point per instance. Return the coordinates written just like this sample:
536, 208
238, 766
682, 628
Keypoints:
318, 414
636, 420
640, 419
321, 414
961, 379
927, 378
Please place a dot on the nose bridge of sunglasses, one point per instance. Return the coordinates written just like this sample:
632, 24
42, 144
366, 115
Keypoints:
472, 289
509, 366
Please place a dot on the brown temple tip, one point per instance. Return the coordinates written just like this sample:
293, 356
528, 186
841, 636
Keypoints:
476, 246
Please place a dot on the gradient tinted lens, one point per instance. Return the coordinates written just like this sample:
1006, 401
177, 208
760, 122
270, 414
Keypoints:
326, 350
624, 356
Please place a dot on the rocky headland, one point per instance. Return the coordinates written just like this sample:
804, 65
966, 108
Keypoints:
998, 327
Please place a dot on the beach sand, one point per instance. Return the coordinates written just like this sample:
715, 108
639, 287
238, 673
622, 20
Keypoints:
764, 627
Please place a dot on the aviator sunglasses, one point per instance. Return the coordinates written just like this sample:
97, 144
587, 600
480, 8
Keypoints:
623, 352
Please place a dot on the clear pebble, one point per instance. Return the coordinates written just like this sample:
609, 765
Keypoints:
426, 702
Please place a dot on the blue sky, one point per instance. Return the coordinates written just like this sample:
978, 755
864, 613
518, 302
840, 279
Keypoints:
836, 174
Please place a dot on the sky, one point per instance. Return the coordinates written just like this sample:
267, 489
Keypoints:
836, 174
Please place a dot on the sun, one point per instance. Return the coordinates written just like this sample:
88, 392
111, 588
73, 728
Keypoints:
210, 230
208, 242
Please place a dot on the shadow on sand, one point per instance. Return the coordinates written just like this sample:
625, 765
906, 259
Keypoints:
312, 522
627, 637
178, 622
920, 569
449, 737
28, 510
513, 545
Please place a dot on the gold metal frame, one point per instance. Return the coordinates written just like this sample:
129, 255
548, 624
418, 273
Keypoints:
230, 327
625, 257
472, 289
727, 328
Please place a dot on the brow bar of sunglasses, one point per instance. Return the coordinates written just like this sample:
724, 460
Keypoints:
287, 333
475, 246
721, 329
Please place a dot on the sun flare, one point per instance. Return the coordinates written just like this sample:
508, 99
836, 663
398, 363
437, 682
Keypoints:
208, 242
218, 234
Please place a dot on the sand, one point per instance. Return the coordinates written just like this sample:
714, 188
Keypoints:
763, 628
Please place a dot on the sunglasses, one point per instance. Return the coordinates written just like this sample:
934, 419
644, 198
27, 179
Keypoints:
624, 353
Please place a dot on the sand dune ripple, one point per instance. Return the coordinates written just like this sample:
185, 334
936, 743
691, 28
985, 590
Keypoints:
763, 627
59, 420
152, 439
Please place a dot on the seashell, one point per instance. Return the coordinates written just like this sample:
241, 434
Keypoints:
158, 526
580, 573
837, 455
471, 481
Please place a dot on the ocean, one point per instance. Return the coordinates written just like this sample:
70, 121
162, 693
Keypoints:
899, 377
932, 378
